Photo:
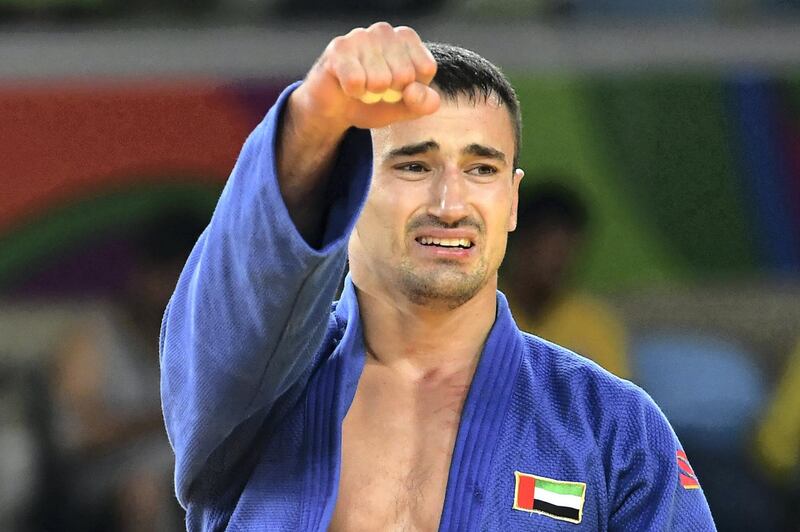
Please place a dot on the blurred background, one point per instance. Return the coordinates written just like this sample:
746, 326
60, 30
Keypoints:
659, 225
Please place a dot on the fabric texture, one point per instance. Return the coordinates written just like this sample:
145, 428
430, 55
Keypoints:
259, 369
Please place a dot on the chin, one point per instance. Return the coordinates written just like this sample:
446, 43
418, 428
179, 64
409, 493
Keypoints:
450, 287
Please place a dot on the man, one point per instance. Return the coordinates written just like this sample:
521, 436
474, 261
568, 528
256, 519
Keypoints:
552, 229
414, 403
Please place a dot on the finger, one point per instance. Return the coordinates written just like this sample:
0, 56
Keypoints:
421, 57
371, 43
379, 76
387, 113
388, 96
351, 75
421, 99
392, 96
371, 97
400, 64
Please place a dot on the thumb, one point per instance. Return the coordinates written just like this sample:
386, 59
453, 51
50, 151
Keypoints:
420, 99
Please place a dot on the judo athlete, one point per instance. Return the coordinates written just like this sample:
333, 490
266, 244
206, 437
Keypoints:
414, 402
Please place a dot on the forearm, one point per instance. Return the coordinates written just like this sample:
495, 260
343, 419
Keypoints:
306, 153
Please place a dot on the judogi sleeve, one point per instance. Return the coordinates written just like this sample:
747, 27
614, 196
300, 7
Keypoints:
653, 485
252, 304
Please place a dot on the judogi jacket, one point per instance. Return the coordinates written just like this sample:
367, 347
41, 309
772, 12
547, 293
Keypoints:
259, 368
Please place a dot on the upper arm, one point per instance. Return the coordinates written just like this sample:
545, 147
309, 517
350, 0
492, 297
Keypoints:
645, 486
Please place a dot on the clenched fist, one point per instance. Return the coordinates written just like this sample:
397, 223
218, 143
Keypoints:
370, 78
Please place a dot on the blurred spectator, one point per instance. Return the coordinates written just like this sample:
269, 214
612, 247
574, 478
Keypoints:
19, 447
778, 438
115, 460
551, 230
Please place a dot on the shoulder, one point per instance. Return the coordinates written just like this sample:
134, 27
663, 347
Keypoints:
615, 429
605, 406
559, 367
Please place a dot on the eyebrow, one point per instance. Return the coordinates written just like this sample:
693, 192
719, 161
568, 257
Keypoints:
485, 151
410, 150
419, 148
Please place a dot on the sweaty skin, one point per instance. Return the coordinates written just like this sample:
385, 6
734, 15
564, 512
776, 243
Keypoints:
442, 171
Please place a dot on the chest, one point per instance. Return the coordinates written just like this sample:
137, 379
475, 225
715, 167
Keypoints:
397, 445
357, 474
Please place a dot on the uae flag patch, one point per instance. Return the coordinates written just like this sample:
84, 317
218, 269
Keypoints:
686, 473
554, 498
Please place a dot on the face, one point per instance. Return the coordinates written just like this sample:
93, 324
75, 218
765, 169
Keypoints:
443, 198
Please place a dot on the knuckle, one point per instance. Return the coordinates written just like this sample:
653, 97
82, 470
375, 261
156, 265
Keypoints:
427, 65
381, 27
407, 34
338, 44
356, 32
356, 35
353, 82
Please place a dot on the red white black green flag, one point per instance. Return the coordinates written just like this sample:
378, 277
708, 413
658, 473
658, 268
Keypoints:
554, 498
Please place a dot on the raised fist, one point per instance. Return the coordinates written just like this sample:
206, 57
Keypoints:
370, 78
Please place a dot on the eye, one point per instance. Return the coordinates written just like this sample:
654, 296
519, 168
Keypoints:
482, 170
415, 168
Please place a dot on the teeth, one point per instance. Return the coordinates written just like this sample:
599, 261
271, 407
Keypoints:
445, 242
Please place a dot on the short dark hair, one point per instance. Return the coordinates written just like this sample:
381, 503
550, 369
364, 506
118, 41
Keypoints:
550, 204
462, 72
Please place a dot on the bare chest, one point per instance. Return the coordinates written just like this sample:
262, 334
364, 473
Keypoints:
397, 444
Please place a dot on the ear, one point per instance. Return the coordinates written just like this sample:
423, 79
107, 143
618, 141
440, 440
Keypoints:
515, 181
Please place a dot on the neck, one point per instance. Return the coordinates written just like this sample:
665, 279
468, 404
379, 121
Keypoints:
420, 340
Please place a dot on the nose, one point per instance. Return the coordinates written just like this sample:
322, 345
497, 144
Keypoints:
449, 196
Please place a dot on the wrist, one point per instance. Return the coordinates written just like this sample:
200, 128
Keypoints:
305, 121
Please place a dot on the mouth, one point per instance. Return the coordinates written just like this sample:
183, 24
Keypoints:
445, 243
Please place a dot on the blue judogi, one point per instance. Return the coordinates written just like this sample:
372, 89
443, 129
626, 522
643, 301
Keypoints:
259, 370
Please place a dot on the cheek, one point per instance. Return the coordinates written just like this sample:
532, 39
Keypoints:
496, 214
397, 203
497, 232
381, 225
498, 246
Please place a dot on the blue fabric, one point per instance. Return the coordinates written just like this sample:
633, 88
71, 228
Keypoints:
259, 369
